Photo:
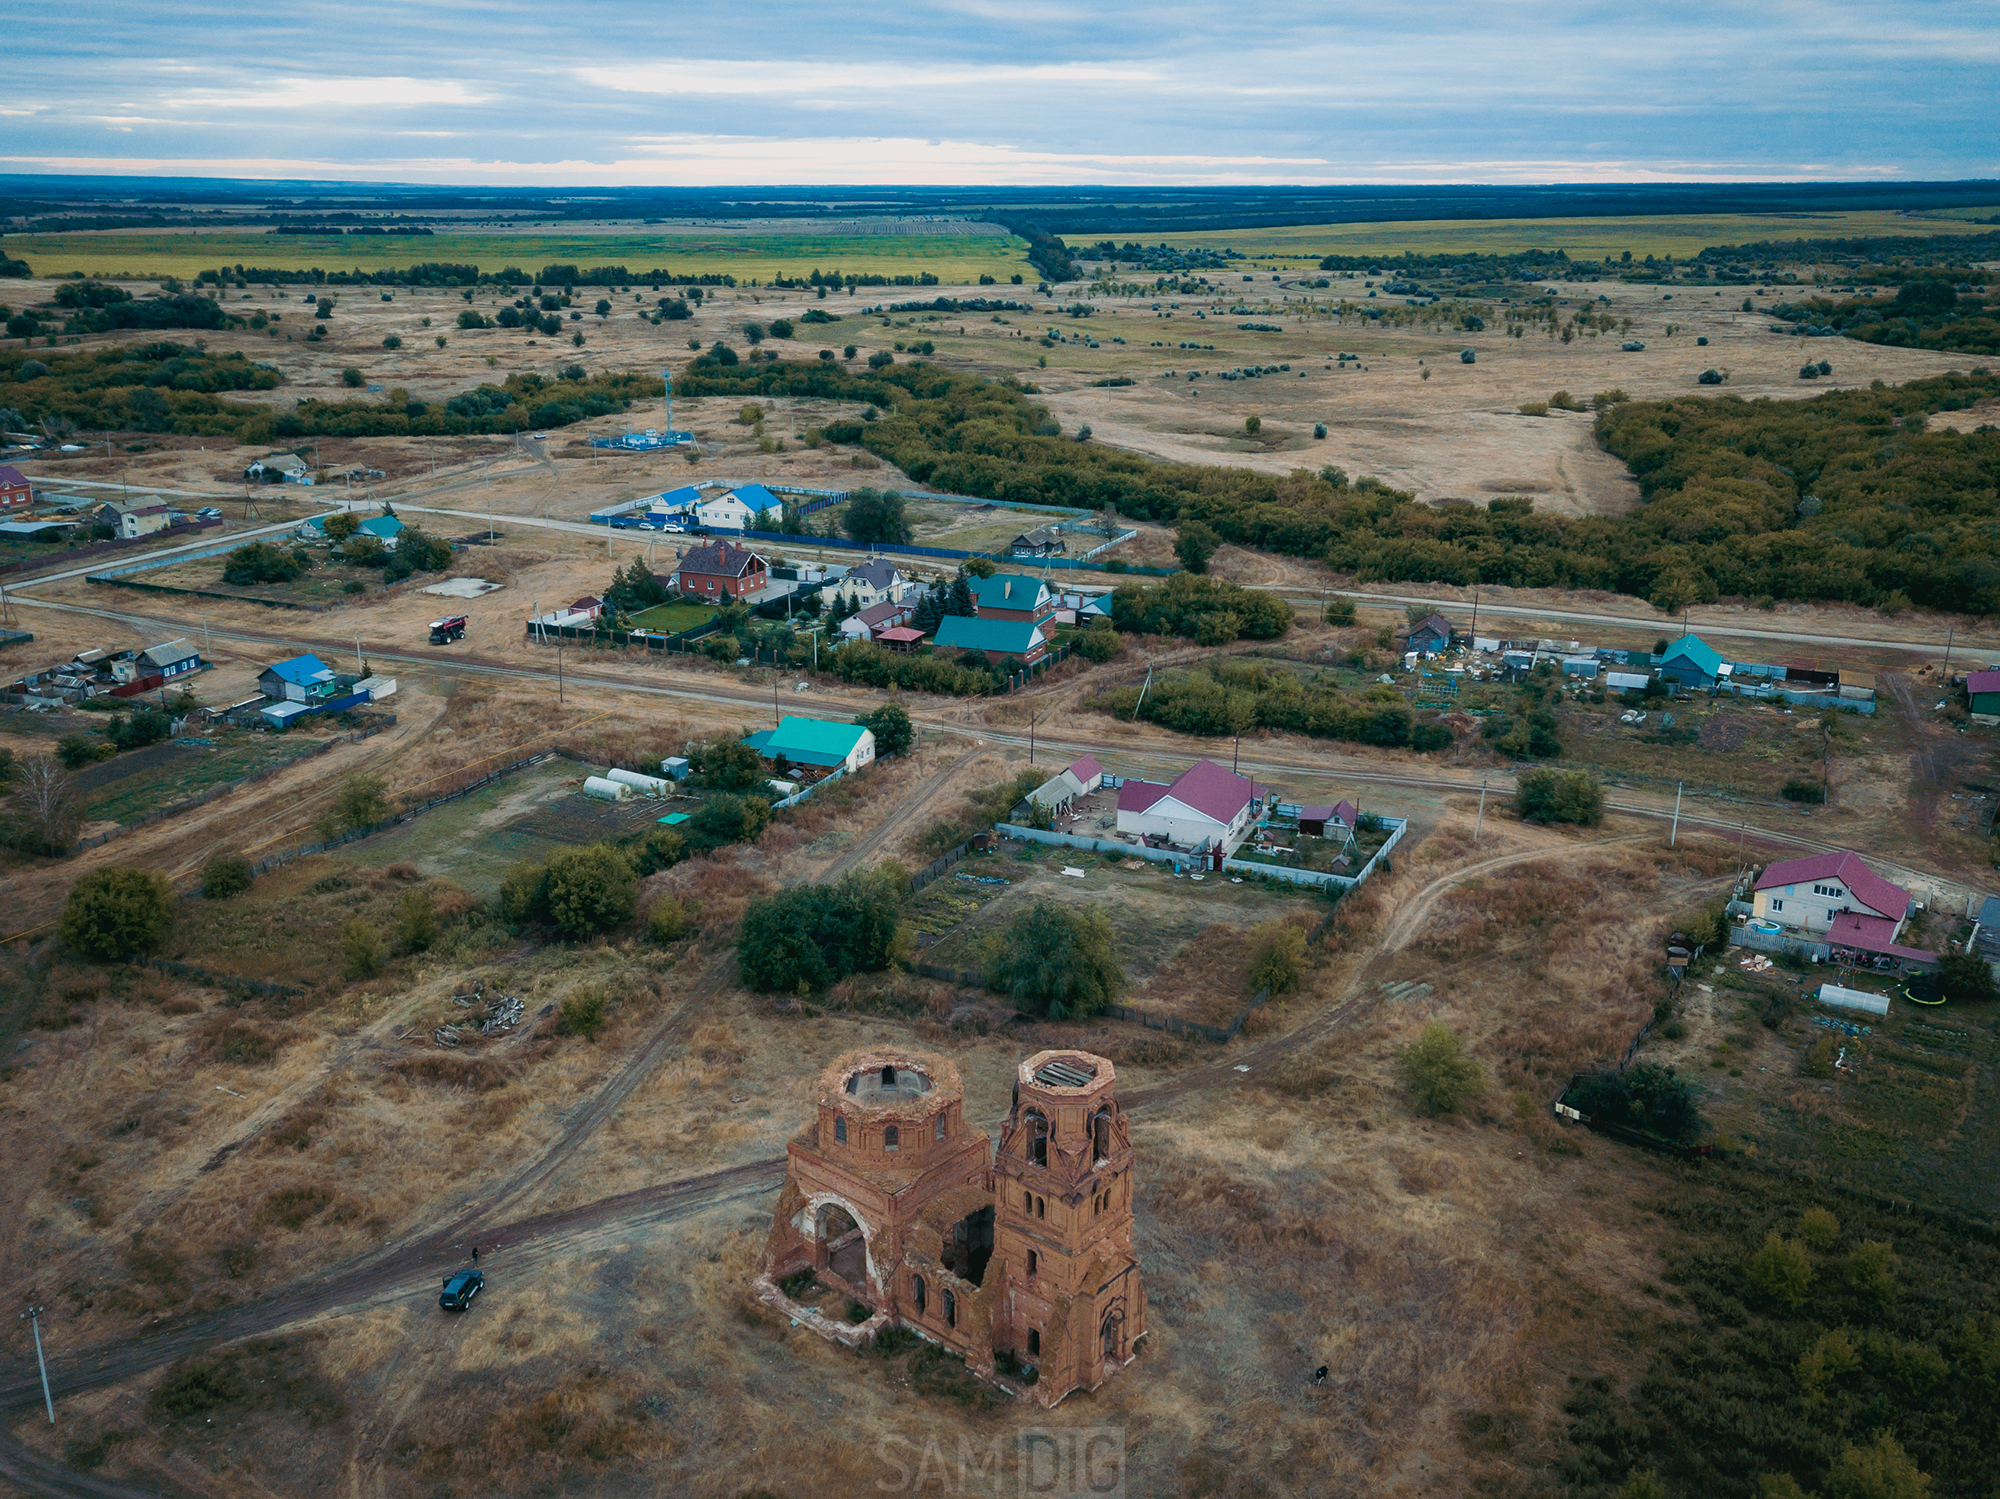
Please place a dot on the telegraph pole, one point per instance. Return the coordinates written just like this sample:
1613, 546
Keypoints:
1947, 651
559, 682
34, 1316
1674, 837
1478, 821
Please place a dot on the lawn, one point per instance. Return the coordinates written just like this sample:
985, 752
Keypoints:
327, 583
1679, 235
953, 259
671, 619
134, 785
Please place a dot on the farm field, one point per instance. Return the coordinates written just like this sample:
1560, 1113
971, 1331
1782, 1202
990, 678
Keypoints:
135, 784
949, 257
1185, 944
1679, 235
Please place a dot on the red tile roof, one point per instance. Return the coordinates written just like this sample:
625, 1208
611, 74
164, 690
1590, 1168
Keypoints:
1982, 681
902, 635
1862, 882
1213, 791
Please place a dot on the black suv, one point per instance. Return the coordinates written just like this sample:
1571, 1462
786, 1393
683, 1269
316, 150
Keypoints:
459, 1290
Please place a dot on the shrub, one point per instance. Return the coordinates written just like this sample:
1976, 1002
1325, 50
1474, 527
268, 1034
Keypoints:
361, 947
1098, 644
1340, 612
1782, 1271
1437, 1074
1965, 978
583, 1013
1195, 544
416, 921
524, 893
590, 890
363, 800
1277, 956
1882, 1470
1427, 738
259, 562
352, 378
114, 913
1573, 796
668, 920
1871, 1273
1534, 408
1818, 1228
78, 750
1801, 789
724, 820
890, 724
1057, 962
225, 875
806, 937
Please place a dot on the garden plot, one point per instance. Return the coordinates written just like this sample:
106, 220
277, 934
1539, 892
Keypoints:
1184, 943
137, 784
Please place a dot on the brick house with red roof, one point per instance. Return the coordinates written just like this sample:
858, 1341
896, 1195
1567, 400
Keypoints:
719, 570
16, 492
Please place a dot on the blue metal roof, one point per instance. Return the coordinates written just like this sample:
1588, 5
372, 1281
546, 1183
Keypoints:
302, 671
758, 499
962, 632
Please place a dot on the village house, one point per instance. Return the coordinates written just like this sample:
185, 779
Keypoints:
144, 520
1429, 636
1692, 662
869, 623
1982, 692
997, 639
16, 492
815, 742
176, 658
302, 679
279, 468
1013, 596
872, 582
1205, 808
1043, 541
1022, 1252
1079, 778
1840, 900
719, 570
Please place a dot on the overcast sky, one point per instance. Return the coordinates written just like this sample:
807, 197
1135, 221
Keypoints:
1026, 91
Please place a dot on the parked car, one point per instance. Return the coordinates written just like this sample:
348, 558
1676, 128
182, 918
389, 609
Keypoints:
459, 1290
676, 527
627, 523
208, 512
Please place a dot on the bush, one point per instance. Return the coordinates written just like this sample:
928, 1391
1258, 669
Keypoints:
363, 800
803, 938
1437, 1074
1340, 612
1428, 738
1098, 644
1965, 978
583, 1013
890, 724
1871, 1273
1056, 962
361, 948
1782, 1271
668, 920
723, 820
116, 913
416, 921
1572, 796
1800, 789
590, 890
1195, 543
524, 893
259, 562
1819, 1228
1277, 956
225, 875
77, 750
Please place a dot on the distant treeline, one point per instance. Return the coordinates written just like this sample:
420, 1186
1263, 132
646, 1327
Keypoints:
444, 273
1046, 253
335, 229
169, 387
835, 280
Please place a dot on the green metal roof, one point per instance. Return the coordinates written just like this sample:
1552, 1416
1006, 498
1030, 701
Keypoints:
962, 632
808, 741
1697, 650
1007, 591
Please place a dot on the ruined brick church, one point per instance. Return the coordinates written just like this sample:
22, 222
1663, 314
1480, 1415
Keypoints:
1018, 1260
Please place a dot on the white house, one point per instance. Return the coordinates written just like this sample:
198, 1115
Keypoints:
1205, 807
1812, 894
725, 511
144, 521
872, 582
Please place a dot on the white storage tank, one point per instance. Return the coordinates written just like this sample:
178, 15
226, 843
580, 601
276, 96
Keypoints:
605, 791
644, 785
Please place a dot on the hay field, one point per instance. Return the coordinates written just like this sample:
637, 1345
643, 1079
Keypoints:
949, 257
1678, 235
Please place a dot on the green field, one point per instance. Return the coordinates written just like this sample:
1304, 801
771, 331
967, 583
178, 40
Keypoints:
951, 258
671, 619
1664, 234
170, 773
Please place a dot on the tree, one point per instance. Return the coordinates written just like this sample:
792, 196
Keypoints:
50, 810
1965, 978
1340, 611
225, 875
724, 820
362, 801
1059, 962
1546, 796
361, 948
1277, 956
1194, 544
960, 601
873, 516
1099, 643
1871, 1273
1437, 1074
890, 725
806, 937
1782, 1271
590, 890
352, 378
339, 527
77, 750
1253, 425
259, 562
1882, 1470
727, 765
930, 611
416, 921
116, 913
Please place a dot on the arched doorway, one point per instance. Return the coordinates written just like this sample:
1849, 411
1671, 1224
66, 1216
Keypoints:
843, 1248
1111, 1333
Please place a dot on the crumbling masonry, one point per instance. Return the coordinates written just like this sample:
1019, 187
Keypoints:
1018, 1261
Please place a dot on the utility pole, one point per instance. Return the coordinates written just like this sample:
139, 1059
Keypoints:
34, 1316
1948, 634
1480, 820
357, 655
1235, 750
559, 682
1674, 837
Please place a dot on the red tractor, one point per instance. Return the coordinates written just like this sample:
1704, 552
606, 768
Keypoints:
444, 631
